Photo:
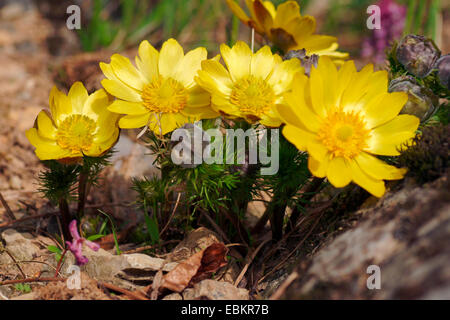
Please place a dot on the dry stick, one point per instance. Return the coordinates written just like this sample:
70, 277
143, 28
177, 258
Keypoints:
171, 216
216, 227
7, 224
58, 267
292, 252
308, 194
15, 262
244, 270
7, 282
288, 234
294, 275
133, 295
7, 208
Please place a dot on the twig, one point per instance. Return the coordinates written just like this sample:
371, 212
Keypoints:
58, 267
15, 262
215, 226
293, 251
244, 270
284, 285
7, 224
7, 208
133, 295
144, 248
7, 282
171, 216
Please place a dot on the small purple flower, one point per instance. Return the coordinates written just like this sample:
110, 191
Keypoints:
393, 17
76, 245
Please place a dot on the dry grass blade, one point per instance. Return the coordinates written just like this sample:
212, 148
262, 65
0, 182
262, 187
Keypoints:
7, 208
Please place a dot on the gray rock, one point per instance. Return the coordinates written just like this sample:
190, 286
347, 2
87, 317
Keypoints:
215, 290
406, 234
20, 245
173, 296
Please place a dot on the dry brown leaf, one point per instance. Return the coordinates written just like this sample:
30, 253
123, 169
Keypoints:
197, 267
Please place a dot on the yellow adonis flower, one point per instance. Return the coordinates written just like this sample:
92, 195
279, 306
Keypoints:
253, 84
287, 28
161, 91
79, 124
344, 119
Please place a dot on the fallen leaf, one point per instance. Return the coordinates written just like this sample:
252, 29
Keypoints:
199, 266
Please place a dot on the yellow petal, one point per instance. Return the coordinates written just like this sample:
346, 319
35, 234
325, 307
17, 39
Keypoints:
121, 91
45, 126
316, 42
60, 105
126, 107
170, 56
78, 96
389, 137
134, 121
262, 63
378, 84
189, 67
126, 72
298, 113
283, 75
96, 104
237, 10
373, 186
317, 150
357, 88
316, 87
108, 72
148, 59
301, 28
384, 108
318, 168
328, 71
215, 78
263, 16
338, 172
345, 75
45, 149
198, 97
286, 11
378, 169
297, 136
237, 59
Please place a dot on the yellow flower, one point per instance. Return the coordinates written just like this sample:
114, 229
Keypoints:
253, 84
79, 124
342, 119
161, 92
287, 28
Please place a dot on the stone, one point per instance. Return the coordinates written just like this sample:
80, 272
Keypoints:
20, 244
215, 290
173, 296
406, 234
194, 241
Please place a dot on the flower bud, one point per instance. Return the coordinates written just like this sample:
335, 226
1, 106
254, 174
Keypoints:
417, 54
443, 68
307, 61
421, 101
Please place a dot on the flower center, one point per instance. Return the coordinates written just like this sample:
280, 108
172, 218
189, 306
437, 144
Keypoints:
344, 134
253, 96
76, 133
165, 95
